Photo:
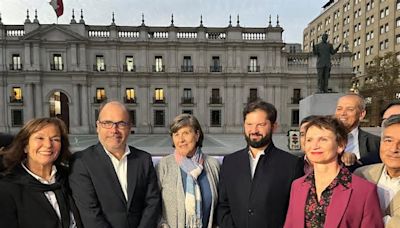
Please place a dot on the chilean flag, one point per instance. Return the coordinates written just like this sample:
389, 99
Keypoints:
58, 7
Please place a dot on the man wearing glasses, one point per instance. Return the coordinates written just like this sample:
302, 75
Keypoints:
113, 184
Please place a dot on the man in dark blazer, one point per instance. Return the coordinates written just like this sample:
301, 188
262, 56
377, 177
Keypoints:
255, 182
361, 145
113, 184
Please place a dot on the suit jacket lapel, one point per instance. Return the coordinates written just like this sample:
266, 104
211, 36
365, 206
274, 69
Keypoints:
132, 173
110, 176
362, 142
394, 206
337, 206
300, 202
374, 173
244, 172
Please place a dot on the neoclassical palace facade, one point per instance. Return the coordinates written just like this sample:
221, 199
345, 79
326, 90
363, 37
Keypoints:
68, 70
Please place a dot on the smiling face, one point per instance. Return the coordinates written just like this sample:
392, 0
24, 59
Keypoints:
321, 146
113, 139
390, 149
43, 148
185, 140
348, 111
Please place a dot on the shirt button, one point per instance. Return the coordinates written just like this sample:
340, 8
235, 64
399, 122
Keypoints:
251, 212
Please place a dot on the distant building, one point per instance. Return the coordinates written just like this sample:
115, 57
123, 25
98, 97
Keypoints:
367, 27
67, 70
293, 48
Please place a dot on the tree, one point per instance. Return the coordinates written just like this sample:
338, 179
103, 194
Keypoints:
381, 85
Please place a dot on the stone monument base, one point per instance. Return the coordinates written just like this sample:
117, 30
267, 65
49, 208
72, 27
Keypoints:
319, 104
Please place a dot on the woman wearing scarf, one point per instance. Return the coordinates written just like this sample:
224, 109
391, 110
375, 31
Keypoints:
188, 178
33, 186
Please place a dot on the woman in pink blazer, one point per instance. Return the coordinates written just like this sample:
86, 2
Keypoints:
331, 196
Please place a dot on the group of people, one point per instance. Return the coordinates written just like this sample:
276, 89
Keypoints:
112, 184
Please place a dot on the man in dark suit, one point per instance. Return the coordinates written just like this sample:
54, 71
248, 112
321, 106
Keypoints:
255, 182
361, 145
113, 184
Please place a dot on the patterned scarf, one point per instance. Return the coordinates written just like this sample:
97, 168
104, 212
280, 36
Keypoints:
192, 167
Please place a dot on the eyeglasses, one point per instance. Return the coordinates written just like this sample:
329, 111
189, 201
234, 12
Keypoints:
109, 124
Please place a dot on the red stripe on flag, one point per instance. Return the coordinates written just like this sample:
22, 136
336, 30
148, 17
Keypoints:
60, 8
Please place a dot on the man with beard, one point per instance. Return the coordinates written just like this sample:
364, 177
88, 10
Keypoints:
113, 184
255, 182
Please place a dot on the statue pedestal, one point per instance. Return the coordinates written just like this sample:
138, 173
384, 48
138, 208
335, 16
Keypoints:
319, 104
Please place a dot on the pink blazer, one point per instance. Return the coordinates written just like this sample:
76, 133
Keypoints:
357, 206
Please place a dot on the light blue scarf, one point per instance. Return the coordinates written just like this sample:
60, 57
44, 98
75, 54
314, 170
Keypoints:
192, 167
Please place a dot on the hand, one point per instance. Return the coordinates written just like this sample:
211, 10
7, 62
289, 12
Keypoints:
348, 158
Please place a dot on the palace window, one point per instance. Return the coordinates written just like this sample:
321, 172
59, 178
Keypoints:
100, 63
159, 118
215, 118
57, 62
16, 62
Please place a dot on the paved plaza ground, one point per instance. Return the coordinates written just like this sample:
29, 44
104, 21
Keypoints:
217, 145
160, 144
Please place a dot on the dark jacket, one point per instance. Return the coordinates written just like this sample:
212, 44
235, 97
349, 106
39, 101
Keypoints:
368, 145
24, 207
259, 202
98, 194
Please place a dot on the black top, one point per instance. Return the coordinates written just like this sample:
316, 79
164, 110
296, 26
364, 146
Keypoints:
261, 201
24, 204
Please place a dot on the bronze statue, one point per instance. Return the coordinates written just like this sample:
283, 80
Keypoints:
324, 50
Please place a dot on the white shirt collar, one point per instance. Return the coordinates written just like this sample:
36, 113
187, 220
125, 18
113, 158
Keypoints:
385, 174
52, 179
254, 161
126, 153
354, 132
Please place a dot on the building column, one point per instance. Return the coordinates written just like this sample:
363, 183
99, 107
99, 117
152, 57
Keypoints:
73, 58
36, 56
239, 105
82, 57
229, 100
3, 67
85, 112
76, 105
230, 64
202, 105
143, 114
38, 100
173, 101
3, 110
238, 62
27, 63
28, 102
